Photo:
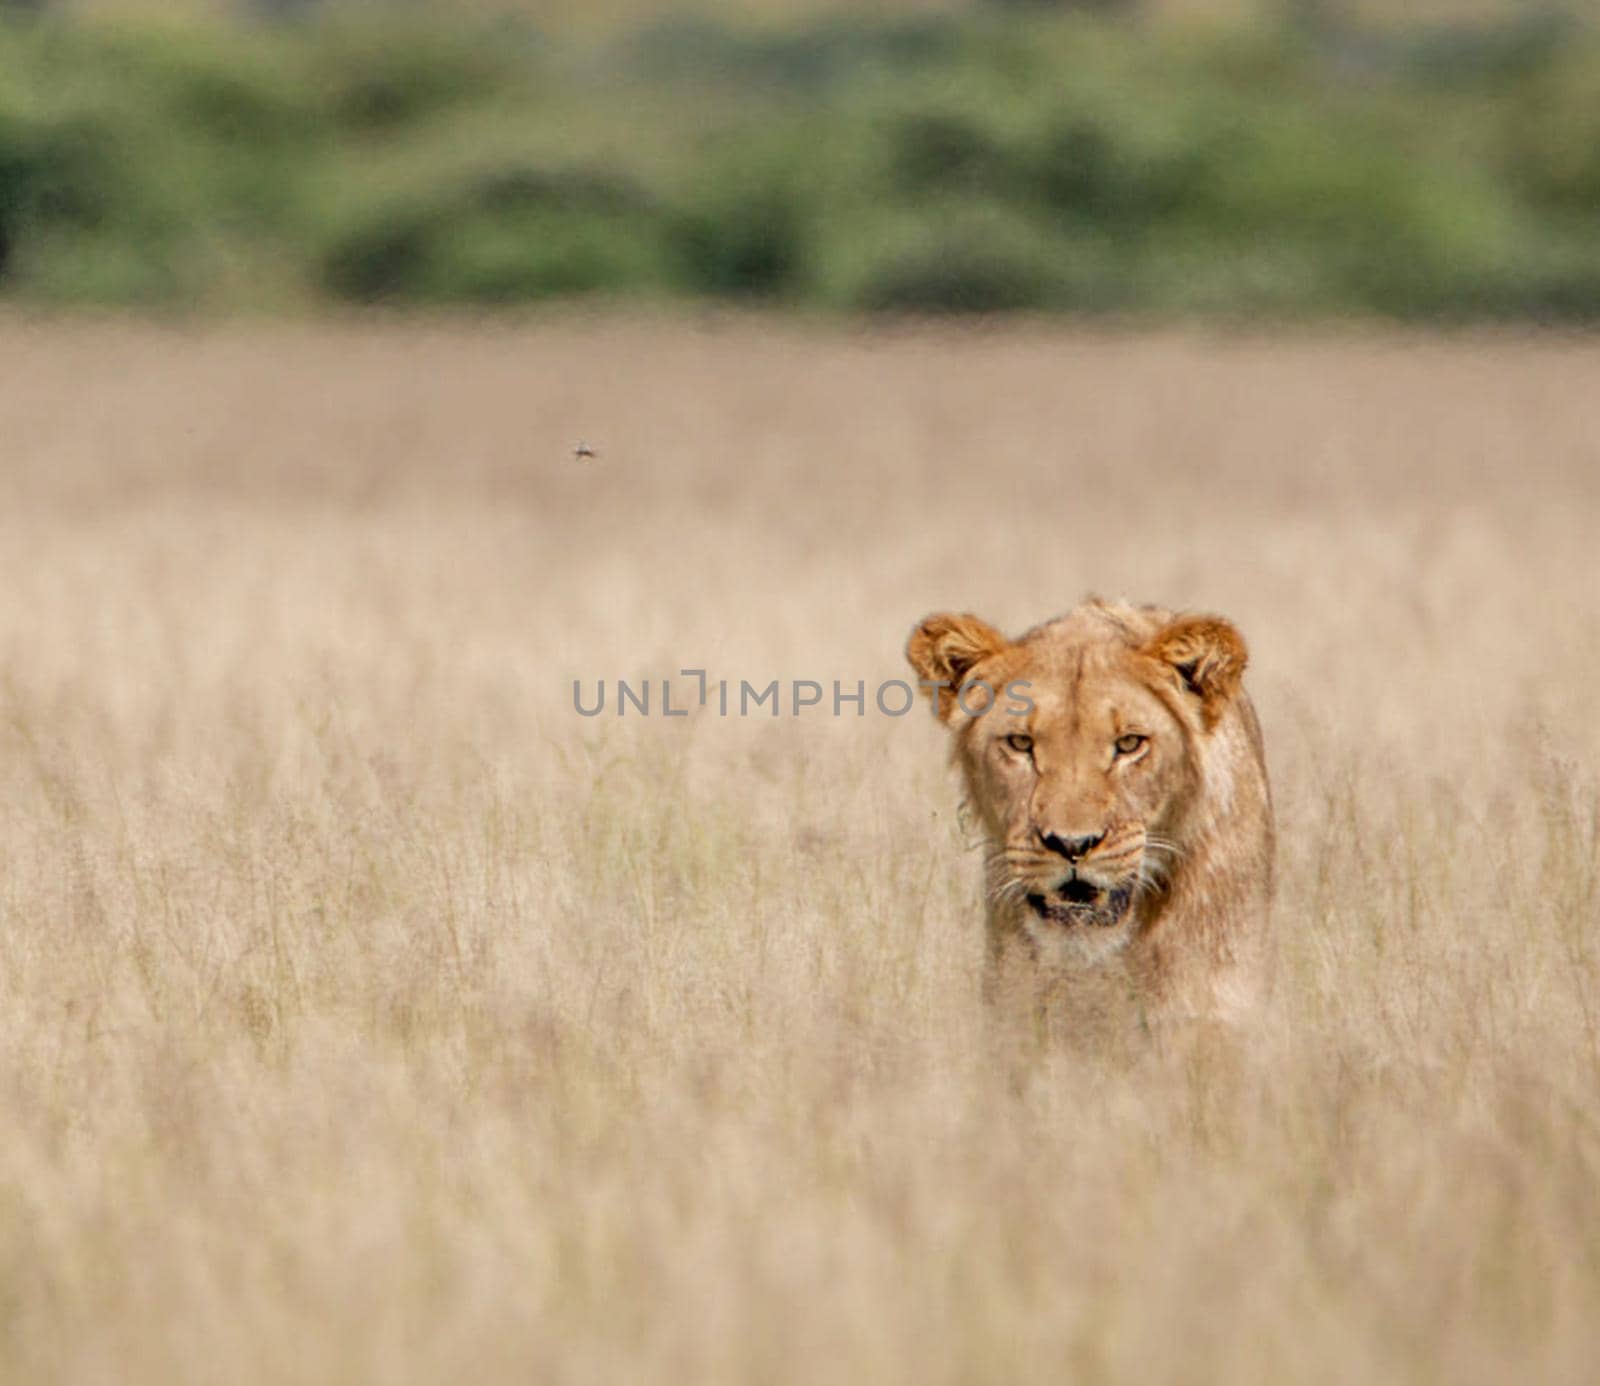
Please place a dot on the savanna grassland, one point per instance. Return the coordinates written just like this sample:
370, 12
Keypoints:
367, 1014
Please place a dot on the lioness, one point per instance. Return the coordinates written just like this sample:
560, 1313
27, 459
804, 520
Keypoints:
1116, 767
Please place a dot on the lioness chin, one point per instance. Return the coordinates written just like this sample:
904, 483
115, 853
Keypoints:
1116, 767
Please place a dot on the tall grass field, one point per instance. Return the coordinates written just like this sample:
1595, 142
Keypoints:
369, 1014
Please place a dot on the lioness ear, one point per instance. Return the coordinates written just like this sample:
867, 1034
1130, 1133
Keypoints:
944, 647
1208, 654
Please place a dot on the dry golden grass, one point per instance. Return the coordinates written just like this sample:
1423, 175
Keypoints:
368, 1015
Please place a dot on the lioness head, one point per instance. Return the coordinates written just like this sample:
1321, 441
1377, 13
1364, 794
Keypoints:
1083, 745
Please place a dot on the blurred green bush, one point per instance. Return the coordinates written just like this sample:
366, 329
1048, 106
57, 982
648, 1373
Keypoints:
1014, 157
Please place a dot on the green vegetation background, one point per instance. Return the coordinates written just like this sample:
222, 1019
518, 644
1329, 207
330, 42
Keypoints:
1001, 158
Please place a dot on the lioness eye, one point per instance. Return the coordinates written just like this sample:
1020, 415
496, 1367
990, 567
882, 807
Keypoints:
1021, 744
1127, 745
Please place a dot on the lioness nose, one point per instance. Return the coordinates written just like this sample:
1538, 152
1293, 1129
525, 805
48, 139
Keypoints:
1071, 847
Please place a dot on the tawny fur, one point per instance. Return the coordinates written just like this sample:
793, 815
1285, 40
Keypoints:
1118, 773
